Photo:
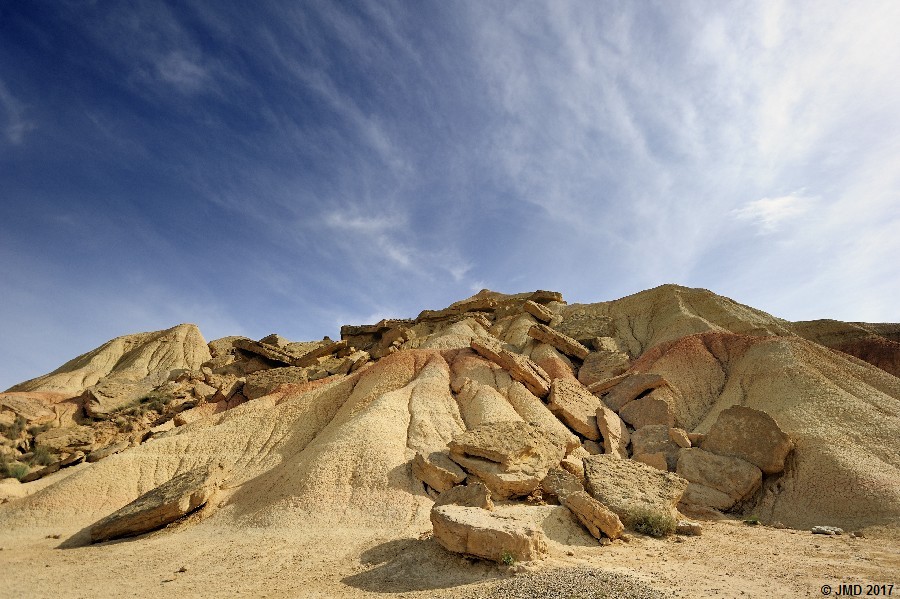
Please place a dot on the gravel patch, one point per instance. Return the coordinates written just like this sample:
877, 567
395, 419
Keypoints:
571, 583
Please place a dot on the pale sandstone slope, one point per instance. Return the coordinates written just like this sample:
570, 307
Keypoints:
130, 357
842, 413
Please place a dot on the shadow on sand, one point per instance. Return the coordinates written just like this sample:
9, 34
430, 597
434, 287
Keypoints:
406, 565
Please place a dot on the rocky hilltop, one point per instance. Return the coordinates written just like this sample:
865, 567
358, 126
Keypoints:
494, 423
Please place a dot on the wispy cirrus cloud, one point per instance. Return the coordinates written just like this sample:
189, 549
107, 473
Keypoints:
17, 124
770, 213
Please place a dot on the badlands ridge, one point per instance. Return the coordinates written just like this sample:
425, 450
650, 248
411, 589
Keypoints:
413, 455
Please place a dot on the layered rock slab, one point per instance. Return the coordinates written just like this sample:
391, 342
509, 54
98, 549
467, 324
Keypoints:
486, 534
563, 343
510, 457
575, 406
163, 505
631, 489
520, 367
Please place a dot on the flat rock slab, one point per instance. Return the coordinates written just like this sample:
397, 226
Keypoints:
631, 489
542, 313
269, 352
751, 435
629, 388
105, 452
163, 505
510, 457
472, 495
486, 534
520, 367
110, 395
577, 407
57, 439
437, 470
614, 432
733, 476
596, 517
563, 343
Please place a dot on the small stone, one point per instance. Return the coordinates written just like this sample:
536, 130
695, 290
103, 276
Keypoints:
688, 528
827, 530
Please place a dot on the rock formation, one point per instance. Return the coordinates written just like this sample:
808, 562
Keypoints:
476, 420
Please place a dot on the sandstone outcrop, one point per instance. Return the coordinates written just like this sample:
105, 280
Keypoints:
654, 408
437, 470
602, 365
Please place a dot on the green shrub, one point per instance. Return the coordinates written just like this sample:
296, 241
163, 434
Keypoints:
650, 522
507, 558
42, 456
752, 521
36, 429
16, 470
12, 431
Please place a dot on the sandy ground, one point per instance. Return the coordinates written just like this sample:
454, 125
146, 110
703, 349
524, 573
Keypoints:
730, 559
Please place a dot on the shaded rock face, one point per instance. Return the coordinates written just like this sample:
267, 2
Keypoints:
472, 495
437, 471
510, 457
478, 532
751, 435
736, 478
161, 506
630, 388
631, 489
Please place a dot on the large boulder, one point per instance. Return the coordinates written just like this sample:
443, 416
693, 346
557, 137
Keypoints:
751, 435
654, 408
486, 534
630, 388
575, 406
163, 505
655, 438
510, 457
632, 490
733, 476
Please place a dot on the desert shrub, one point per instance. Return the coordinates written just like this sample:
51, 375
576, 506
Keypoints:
37, 429
12, 431
651, 522
752, 521
42, 456
507, 558
16, 470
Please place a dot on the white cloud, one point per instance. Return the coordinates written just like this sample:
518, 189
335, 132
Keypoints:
185, 74
16, 125
769, 213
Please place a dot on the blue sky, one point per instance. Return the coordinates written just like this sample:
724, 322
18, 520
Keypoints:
293, 166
